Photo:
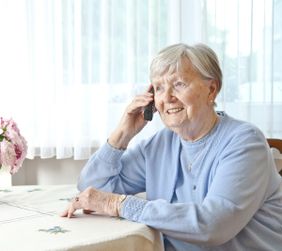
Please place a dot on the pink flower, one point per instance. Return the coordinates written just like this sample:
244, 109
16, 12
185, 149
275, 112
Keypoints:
13, 146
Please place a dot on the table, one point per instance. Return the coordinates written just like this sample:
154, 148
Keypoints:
29, 220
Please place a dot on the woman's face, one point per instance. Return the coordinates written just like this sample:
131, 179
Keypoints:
183, 98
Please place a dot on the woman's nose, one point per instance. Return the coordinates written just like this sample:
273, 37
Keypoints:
168, 95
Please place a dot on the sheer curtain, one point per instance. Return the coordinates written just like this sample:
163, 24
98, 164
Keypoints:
247, 35
69, 67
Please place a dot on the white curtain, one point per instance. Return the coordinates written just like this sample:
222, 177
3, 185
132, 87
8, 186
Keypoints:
247, 35
69, 67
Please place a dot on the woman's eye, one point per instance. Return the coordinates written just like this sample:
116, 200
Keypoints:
179, 84
157, 88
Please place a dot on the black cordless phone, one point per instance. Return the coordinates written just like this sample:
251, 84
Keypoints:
149, 109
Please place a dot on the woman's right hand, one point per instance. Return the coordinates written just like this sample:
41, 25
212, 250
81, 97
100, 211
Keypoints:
132, 121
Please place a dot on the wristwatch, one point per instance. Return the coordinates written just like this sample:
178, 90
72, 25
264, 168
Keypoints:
121, 199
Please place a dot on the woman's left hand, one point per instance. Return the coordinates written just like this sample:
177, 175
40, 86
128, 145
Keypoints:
93, 200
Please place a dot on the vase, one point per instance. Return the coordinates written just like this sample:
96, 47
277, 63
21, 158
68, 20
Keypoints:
5, 177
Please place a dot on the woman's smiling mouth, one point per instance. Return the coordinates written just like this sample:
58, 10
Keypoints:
174, 110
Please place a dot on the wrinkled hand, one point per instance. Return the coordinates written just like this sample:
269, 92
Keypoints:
93, 200
132, 121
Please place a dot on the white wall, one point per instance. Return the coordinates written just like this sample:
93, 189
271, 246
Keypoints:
48, 172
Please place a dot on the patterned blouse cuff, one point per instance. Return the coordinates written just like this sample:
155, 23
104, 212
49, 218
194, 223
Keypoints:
132, 207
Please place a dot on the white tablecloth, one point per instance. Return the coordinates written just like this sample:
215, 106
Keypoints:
29, 220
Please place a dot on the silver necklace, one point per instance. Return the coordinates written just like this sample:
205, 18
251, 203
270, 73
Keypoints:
190, 164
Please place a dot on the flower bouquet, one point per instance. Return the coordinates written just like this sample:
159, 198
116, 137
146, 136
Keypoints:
13, 146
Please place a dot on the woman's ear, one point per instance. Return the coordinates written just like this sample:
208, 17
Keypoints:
213, 87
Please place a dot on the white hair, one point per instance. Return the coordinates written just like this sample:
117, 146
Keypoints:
202, 58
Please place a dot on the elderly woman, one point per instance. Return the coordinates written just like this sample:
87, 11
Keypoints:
210, 180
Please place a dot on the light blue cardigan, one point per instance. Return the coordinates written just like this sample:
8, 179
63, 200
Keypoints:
232, 196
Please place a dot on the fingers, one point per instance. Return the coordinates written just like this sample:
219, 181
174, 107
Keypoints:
143, 98
71, 210
139, 102
149, 88
92, 200
65, 213
68, 212
74, 205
